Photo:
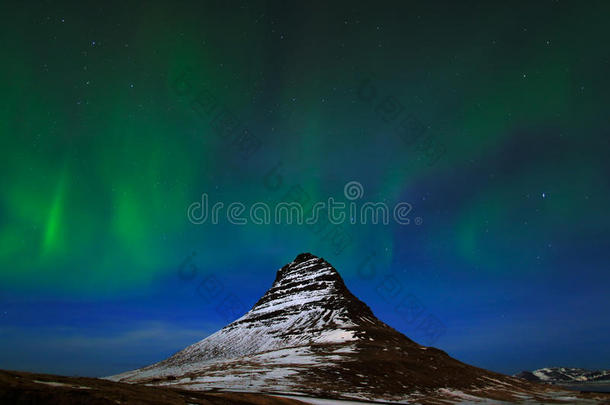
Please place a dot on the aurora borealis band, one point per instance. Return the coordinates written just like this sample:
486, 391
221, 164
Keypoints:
491, 120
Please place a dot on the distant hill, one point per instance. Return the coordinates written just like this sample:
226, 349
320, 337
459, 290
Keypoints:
565, 375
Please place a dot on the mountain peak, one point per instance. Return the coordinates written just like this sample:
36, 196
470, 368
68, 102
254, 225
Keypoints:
308, 303
303, 257
305, 281
306, 267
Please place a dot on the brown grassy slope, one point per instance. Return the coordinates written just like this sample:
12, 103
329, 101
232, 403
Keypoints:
18, 387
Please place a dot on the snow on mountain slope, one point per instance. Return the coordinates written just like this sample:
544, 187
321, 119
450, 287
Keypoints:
307, 304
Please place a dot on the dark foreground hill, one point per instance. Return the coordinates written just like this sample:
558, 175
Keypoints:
18, 388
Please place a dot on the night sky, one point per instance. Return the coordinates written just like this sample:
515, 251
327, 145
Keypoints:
491, 120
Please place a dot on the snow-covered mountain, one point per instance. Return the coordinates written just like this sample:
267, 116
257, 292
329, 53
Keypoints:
309, 334
563, 375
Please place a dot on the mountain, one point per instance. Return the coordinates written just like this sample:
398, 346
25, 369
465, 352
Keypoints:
308, 334
563, 375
